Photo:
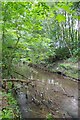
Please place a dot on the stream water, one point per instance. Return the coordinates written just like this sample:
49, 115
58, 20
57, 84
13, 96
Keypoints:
49, 93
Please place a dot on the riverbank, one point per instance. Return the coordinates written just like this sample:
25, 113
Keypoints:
67, 68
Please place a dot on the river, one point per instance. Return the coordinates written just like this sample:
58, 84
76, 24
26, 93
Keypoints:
49, 93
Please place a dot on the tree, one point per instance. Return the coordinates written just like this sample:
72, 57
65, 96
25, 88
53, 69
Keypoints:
37, 31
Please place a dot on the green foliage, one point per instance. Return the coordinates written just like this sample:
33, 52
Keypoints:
7, 114
34, 31
62, 53
49, 117
65, 66
73, 59
12, 110
37, 32
76, 53
60, 18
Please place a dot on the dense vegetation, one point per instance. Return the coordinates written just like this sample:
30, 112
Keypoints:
38, 32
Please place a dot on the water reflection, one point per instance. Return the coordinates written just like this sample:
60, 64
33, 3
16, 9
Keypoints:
71, 106
54, 88
51, 81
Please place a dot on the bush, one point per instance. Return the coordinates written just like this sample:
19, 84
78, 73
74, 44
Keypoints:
62, 53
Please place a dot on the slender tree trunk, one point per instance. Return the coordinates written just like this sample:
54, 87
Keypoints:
3, 25
64, 40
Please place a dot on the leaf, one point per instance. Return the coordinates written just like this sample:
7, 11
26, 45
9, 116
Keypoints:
60, 18
66, 8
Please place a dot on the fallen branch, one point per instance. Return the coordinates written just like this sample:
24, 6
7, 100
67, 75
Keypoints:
20, 74
18, 80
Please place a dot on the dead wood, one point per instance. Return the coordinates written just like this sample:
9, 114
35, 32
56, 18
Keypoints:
18, 80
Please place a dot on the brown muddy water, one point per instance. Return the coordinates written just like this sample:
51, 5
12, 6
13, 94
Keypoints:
49, 93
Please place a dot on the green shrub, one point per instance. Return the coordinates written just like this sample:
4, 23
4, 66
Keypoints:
49, 117
62, 53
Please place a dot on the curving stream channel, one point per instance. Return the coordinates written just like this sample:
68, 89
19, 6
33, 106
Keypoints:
49, 93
